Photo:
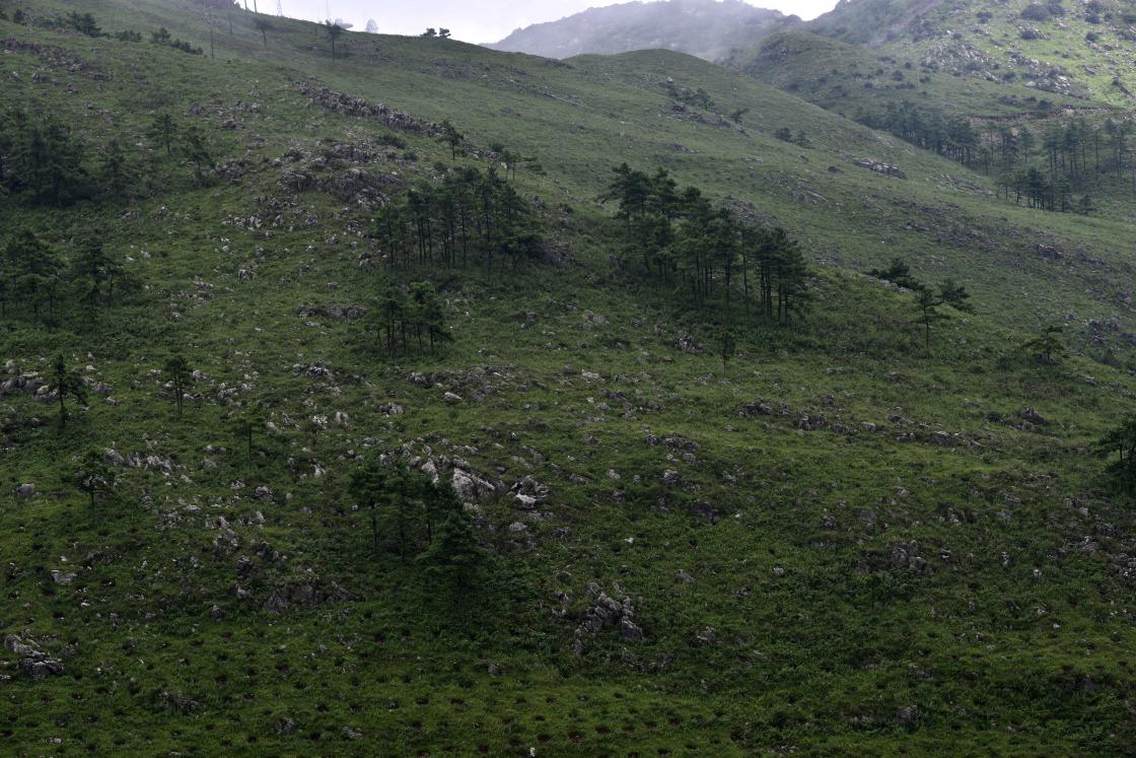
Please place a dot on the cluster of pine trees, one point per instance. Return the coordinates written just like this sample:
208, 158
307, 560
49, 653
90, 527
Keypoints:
1067, 158
410, 318
467, 217
42, 160
1053, 169
35, 280
928, 128
416, 516
679, 238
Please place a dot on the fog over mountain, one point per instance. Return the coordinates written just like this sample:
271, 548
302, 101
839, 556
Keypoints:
704, 28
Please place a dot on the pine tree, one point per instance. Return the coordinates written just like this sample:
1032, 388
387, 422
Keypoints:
334, 31
453, 557
66, 383
114, 172
452, 137
955, 295
197, 151
927, 303
180, 378
93, 477
1121, 441
264, 26
164, 130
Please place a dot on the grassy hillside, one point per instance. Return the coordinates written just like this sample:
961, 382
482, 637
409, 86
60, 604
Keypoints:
838, 542
848, 78
1079, 50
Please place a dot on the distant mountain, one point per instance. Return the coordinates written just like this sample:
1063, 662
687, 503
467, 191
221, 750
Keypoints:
708, 29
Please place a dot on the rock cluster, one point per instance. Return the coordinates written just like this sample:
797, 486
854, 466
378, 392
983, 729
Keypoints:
604, 613
880, 167
33, 661
349, 105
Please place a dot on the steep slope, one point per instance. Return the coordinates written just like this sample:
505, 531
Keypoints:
704, 28
850, 78
1079, 50
842, 540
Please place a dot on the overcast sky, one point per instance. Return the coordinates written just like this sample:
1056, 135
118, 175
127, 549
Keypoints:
476, 20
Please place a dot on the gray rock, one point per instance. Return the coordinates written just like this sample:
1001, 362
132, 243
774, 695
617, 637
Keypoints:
25, 490
630, 630
470, 488
60, 577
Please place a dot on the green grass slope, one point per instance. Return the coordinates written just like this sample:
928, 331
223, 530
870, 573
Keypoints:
1080, 50
895, 555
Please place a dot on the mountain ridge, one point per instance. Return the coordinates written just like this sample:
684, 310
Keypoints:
707, 29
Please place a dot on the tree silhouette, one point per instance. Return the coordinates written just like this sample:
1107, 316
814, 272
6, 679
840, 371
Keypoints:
264, 26
955, 295
927, 303
180, 377
66, 383
1047, 348
376, 487
197, 151
93, 477
452, 137
29, 271
1121, 441
453, 556
334, 31
728, 347
245, 426
163, 130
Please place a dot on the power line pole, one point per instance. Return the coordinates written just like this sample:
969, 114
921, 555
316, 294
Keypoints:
280, 8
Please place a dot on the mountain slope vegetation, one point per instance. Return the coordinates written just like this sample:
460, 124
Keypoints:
340, 414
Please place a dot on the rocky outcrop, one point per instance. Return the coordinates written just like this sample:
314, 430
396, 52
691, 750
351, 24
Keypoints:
880, 167
349, 105
606, 612
34, 663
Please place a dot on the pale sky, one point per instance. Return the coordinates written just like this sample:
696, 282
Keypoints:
475, 20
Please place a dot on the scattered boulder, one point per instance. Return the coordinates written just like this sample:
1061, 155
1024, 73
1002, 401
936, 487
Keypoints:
880, 167
469, 487
688, 344
333, 312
